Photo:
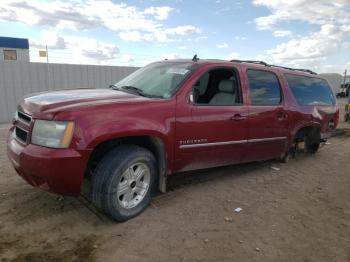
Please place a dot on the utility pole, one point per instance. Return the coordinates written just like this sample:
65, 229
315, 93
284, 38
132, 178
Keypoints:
48, 68
47, 55
345, 76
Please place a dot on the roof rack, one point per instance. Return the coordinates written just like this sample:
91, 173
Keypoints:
250, 62
296, 69
266, 64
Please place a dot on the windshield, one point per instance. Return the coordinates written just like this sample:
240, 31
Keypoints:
157, 79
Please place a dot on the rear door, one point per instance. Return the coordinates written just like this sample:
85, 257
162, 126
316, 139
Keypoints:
267, 118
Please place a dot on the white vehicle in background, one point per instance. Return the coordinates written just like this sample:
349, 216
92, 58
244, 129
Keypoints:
335, 81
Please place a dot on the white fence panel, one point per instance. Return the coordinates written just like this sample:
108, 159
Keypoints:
18, 79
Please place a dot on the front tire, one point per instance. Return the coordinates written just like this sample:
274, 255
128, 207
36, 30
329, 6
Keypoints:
123, 182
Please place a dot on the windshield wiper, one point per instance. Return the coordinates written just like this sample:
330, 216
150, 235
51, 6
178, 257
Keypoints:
136, 90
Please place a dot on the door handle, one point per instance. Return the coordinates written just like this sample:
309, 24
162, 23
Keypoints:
238, 117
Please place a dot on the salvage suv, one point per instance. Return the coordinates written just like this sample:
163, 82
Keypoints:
167, 117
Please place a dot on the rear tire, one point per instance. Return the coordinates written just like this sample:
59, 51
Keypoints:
312, 141
123, 182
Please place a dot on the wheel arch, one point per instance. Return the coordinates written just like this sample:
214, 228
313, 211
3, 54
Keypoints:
154, 144
300, 130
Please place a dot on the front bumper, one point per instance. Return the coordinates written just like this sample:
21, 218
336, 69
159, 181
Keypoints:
59, 171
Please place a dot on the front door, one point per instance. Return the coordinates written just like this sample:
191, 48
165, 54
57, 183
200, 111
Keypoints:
211, 127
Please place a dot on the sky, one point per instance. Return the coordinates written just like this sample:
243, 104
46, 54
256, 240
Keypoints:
313, 34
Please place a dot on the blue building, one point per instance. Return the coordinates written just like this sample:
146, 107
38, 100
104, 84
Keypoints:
15, 49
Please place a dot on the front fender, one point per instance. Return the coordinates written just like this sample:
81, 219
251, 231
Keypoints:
97, 124
97, 133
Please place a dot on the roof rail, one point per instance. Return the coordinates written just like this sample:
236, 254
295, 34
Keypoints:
306, 70
296, 69
251, 62
266, 64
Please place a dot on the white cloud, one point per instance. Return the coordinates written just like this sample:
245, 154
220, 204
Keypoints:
182, 30
50, 39
313, 50
197, 39
310, 11
233, 56
162, 36
74, 49
81, 15
222, 45
160, 13
282, 33
315, 45
133, 36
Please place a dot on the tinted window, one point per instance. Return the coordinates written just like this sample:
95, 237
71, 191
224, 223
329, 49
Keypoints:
157, 79
310, 90
264, 88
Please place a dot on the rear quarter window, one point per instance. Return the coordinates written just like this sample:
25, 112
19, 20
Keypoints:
310, 90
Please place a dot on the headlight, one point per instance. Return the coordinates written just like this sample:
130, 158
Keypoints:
55, 134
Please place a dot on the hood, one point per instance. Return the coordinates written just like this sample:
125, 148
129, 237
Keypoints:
50, 102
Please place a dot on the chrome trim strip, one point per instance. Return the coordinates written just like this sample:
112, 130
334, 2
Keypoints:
214, 144
266, 139
234, 142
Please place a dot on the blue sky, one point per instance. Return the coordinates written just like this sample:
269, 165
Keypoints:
313, 34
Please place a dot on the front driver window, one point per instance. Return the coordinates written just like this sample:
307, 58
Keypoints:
218, 87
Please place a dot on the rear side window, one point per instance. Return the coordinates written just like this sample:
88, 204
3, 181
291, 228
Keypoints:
310, 90
264, 88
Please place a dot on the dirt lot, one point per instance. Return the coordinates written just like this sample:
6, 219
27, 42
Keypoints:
298, 213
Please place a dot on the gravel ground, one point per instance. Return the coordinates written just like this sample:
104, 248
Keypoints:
300, 212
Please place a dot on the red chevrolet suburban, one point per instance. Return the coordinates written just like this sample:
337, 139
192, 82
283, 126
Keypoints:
167, 117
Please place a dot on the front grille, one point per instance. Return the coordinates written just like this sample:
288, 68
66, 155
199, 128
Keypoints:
21, 134
24, 117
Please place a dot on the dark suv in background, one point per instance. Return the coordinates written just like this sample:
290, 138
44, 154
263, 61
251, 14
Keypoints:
168, 117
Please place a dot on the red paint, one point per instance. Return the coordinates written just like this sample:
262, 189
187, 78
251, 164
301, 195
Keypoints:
101, 115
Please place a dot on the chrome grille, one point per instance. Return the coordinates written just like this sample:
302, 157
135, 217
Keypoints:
23, 117
21, 134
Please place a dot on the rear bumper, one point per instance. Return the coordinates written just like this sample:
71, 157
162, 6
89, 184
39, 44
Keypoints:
59, 171
326, 135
